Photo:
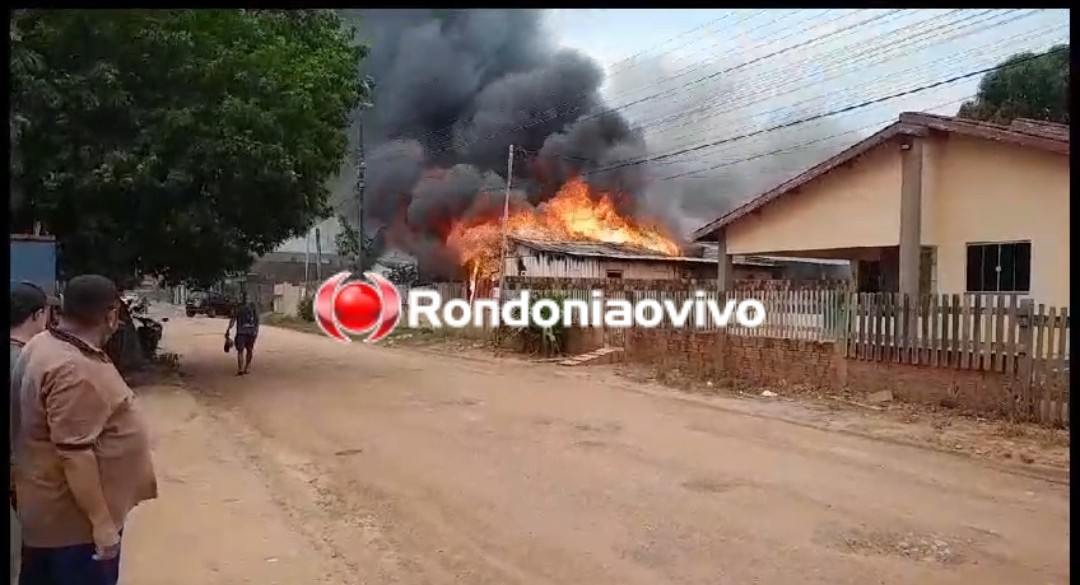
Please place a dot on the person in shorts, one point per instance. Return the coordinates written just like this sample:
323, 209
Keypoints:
246, 320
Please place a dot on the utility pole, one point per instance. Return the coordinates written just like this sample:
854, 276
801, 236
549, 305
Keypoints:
318, 255
506, 224
505, 238
307, 260
360, 167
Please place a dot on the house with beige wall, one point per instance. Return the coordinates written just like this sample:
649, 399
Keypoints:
929, 204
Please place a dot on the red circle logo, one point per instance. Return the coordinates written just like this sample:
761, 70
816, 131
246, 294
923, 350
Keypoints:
357, 307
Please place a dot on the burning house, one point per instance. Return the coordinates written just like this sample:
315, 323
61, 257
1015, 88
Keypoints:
553, 259
455, 93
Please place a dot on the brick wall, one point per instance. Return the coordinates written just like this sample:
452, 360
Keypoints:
713, 355
795, 365
972, 390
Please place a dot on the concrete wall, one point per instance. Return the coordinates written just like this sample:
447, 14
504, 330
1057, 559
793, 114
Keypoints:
983, 191
857, 205
287, 298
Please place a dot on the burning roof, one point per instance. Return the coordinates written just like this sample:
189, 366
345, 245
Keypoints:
616, 251
576, 214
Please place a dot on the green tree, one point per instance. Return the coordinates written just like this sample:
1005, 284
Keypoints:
1024, 87
177, 143
347, 242
404, 274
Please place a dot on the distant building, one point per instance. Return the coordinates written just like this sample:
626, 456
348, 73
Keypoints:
297, 267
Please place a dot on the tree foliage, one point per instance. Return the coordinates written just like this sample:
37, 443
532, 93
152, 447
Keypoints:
347, 242
1024, 87
404, 274
177, 143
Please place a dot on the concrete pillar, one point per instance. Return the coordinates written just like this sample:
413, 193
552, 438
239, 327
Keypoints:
911, 165
725, 275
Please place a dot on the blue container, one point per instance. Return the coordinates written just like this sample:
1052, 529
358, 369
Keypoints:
33, 259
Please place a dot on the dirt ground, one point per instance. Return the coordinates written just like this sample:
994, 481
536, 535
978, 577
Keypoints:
343, 464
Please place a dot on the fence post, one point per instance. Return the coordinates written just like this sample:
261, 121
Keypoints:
842, 348
1025, 320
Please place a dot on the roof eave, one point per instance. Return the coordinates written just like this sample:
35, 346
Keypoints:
885, 134
909, 123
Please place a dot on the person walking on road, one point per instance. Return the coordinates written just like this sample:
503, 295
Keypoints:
246, 319
31, 311
82, 447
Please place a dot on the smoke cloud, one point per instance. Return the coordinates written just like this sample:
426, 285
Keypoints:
727, 104
455, 88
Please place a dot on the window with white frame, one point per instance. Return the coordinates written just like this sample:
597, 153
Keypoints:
999, 267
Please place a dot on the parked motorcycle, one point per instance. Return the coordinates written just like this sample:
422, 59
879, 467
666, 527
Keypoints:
137, 305
149, 330
150, 333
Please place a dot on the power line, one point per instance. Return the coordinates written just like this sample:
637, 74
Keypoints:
665, 93
841, 55
551, 113
707, 24
789, 149
700, 108
960, 57
846, 109
554, 112
955, 34
954, 58
849, 108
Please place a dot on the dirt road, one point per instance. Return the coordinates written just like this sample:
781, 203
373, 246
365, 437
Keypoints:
345, 464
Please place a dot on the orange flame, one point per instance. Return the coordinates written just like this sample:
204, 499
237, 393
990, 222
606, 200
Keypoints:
574, 214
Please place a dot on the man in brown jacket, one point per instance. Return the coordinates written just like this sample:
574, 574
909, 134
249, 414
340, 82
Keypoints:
31, 310
82, 449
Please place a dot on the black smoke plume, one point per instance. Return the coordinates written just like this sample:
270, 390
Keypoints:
453, 90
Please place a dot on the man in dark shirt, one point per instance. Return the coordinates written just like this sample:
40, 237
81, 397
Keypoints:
246, 319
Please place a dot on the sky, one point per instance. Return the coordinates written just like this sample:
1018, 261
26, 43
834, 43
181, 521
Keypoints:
694, 77
732, 36
691, 77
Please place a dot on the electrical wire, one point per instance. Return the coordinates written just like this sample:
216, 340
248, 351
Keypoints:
1005, 43
961, 57
849, 108
876, 124
840, 51
921, 88
841, 56
551, 113
666, 93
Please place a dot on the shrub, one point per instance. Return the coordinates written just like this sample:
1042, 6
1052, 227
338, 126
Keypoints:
306, 310
546, 341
